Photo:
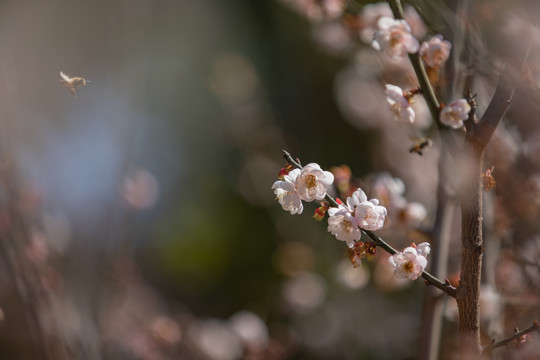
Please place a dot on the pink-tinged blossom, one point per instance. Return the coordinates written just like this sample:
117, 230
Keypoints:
400, 106
342, 224
435, 51
394, 37
346, 220
312, 182
370, 215
408, 264
371, 13
423, 249
318, 10
286, 193
413, 213
418, 28
454, 114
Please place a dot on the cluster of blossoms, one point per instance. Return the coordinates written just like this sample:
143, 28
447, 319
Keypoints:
391, 192
345, 221
395, 39
309, 183
411, 262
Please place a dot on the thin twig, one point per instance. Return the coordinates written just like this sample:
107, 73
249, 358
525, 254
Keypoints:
419, 69
534, 327
444, 286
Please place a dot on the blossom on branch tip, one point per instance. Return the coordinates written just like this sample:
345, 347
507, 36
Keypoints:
312, 182
454, 114
394, 37
286, 193
411, 262
399, 104
435, 51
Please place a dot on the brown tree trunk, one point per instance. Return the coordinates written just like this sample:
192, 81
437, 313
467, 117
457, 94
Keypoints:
471, 257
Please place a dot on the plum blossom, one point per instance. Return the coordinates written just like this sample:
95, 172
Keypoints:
394, 37
435, 51
312, 182
371, 13
343, 225
423, 249
346, 220
286, 193
399, 104
418, 28
454, 114
411, 262
370, 215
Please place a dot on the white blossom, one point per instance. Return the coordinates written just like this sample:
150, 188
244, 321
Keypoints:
286, 193
414, 213
408, 264
371, 13
423, 249
342, 224
490, 302
370, 215
418, 28
394, 37
400, 106
312, 182
436, 51
454, 114
345, 221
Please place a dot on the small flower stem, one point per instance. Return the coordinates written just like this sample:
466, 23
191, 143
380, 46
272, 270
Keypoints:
444, 286
488, 348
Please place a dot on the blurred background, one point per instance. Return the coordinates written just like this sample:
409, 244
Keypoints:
137, 219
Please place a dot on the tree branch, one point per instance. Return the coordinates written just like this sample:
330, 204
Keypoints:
444, 286
534, 327
482, 132
419, 69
